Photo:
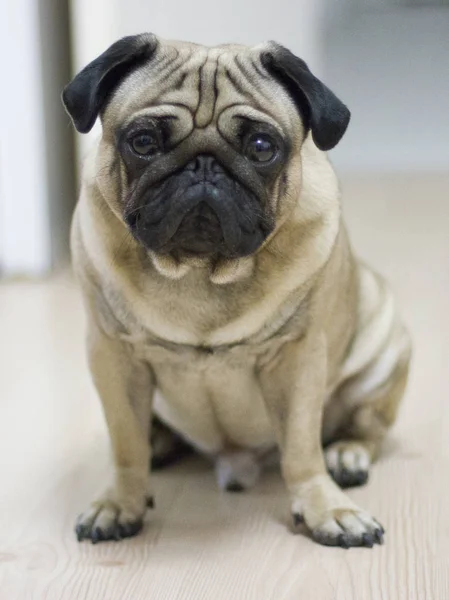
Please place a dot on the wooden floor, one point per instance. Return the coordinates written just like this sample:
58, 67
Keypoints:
199, 543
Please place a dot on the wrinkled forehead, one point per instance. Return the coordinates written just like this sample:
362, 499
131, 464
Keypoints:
203, 85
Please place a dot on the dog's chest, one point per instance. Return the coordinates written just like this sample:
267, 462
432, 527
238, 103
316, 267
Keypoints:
207, 378
212, 397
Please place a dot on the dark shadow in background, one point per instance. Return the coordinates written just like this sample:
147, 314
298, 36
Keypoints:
55, 40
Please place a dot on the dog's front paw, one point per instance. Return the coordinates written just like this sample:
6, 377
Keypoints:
348, 528
331, 516
108, 519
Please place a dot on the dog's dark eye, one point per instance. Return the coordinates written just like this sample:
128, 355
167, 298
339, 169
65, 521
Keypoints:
144, 144
260, 148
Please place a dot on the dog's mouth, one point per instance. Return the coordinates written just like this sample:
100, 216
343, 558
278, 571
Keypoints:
199, 232
219, 218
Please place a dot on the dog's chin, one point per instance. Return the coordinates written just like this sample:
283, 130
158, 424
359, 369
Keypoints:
200, 239
203, 246
200, 235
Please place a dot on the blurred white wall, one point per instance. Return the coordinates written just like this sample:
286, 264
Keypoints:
24, 231
390, 64
296, 23
36, 142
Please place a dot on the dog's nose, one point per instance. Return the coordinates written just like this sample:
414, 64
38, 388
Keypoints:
206, 167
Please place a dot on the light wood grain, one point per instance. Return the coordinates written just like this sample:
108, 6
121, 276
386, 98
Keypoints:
198, 543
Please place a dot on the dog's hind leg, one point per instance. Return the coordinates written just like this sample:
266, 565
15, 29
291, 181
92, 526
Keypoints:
167, 446
360, 413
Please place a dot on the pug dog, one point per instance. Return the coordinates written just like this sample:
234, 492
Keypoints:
221, 290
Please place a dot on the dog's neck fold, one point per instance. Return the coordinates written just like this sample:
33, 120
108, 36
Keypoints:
222, 272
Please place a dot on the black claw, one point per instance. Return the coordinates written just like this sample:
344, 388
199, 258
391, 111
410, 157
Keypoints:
116, 532
130, 529
346, 478
346, 540
331, 540
362, 477
115, 535
150, 502
234, 486
80, 532
368, 540
379, 536
380, 528
343, 541
298, 518
97, 535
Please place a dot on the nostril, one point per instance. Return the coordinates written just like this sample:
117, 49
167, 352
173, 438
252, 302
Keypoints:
199, 166
205, 166
198, 163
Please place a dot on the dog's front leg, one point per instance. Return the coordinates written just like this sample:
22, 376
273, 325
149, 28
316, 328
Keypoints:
125, 386
294, 386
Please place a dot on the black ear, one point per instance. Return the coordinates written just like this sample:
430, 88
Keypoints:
87, 93
322, 111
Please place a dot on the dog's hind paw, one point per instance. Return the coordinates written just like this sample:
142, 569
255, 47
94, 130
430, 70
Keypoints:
348, 463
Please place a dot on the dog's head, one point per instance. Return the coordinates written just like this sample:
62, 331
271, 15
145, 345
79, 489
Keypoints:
200, 153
